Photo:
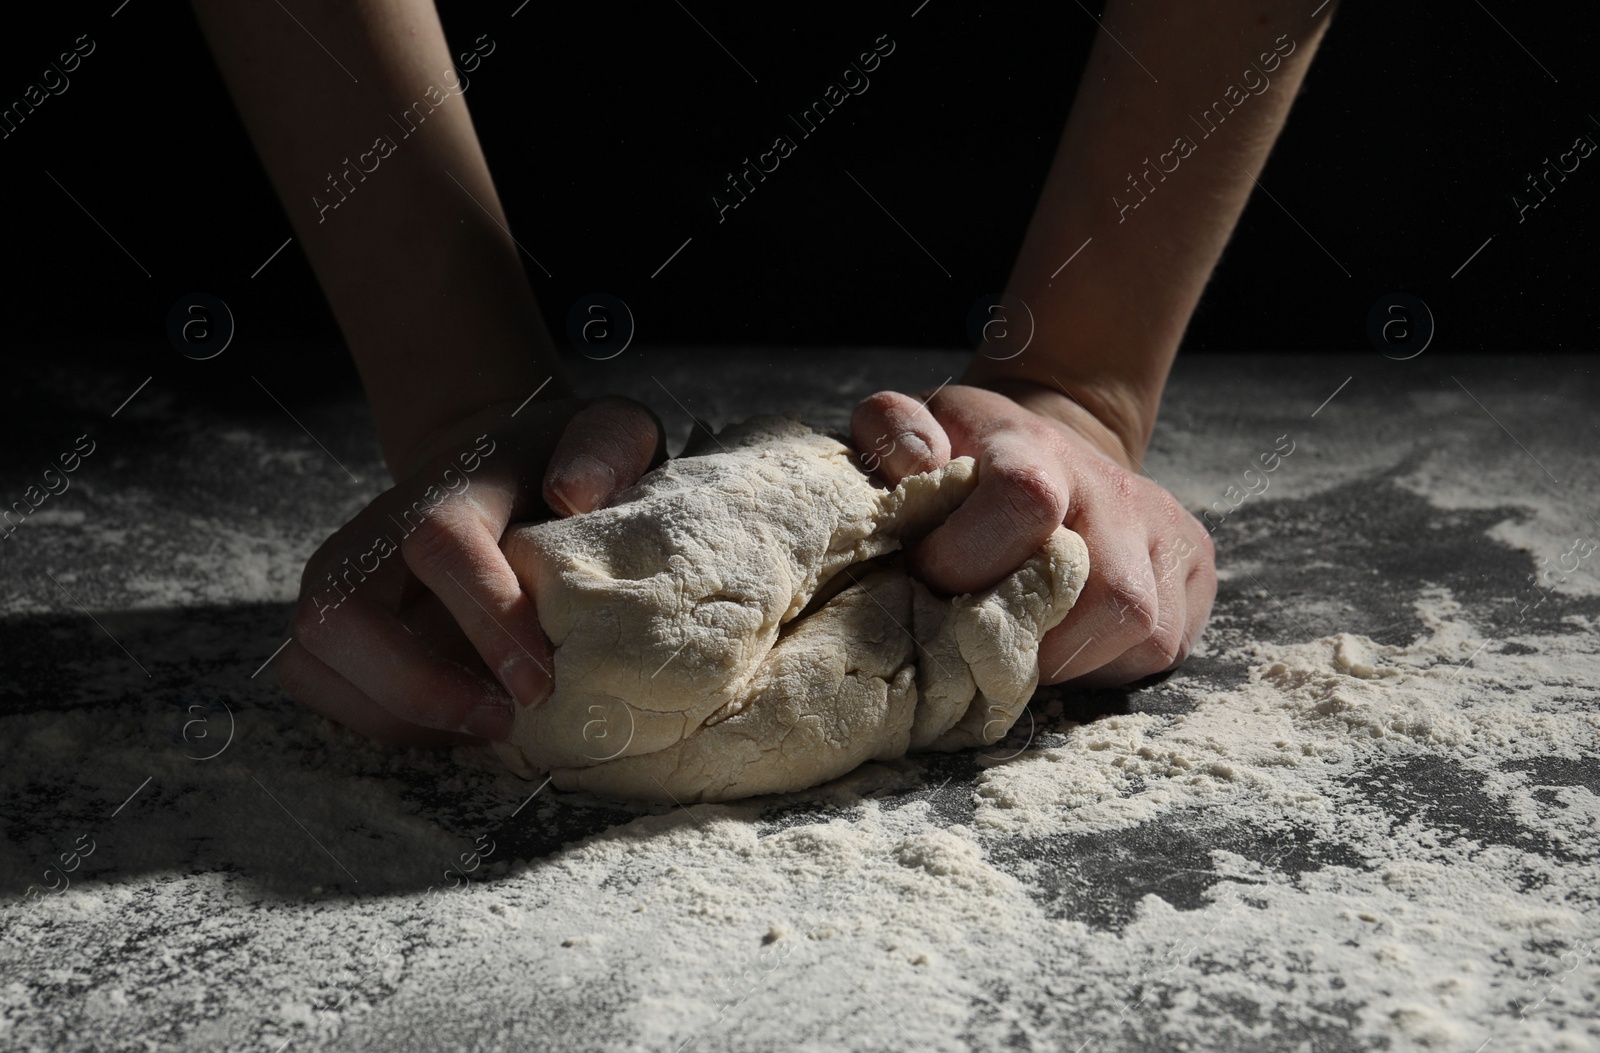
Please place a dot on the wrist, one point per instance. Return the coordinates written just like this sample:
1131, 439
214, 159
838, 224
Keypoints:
1110, 416
437, 312
407, 450
406, 446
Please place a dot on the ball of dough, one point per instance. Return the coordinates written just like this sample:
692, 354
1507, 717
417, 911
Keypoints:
736, 623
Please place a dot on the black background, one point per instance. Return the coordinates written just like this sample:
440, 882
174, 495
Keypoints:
609, 125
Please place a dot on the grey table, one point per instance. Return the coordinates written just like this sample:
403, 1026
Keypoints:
226, 862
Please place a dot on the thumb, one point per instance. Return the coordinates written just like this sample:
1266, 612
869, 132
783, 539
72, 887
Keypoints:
605, 448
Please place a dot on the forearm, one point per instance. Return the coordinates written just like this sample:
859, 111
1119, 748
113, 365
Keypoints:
1108, 325
427, 288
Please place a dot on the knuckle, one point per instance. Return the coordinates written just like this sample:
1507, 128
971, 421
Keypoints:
631, 424
1196, 531
293, 675
952, 394
878, 408
308, 574
311, 620
1123, 484
433, 546
620, 433
1032, 499
1186, 644
1168, 644
290, 684
1138, 603
1147, 613
884, 401
642, 433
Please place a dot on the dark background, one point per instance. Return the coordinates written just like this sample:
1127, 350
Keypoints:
609, 127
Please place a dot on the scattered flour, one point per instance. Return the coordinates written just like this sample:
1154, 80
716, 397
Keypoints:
878, 921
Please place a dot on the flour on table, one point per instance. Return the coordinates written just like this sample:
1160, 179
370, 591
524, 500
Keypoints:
886, 925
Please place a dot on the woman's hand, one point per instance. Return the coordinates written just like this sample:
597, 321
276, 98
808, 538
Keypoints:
411, 626
1043, 461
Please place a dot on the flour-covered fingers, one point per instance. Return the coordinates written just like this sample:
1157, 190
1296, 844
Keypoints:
456, 554
1158, 647
1199, 574
895, 436
1021, 497
605, 448
1118, 608
317, 686
394, 667
363, 556
1183, 561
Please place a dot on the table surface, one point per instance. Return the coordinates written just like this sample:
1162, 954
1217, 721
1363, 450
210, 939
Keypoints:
246, 855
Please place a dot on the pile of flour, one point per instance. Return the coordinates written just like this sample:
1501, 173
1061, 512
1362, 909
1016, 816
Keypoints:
871, 920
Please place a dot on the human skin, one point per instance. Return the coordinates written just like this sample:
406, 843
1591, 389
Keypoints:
444, 328
437, 311
1062, 428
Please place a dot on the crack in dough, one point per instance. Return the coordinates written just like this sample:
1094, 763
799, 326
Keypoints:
730, 626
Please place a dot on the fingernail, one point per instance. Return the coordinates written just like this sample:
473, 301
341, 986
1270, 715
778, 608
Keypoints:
912, 443
583, 483
528, 684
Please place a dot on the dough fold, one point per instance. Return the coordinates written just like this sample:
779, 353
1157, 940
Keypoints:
735, 624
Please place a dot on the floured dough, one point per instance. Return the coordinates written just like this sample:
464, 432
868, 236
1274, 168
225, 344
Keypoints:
736, 624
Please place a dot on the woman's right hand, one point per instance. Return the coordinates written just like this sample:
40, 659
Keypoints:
411, 627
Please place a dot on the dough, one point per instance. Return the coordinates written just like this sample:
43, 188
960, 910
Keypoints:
736, 623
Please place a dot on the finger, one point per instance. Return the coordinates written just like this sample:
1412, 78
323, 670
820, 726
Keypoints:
1200, 588
365, 561
1021, 497
361, 555
605, 448
1161, 648
369, 647
1191, 558
316, 686
456, 554
1117, 610
897, 436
